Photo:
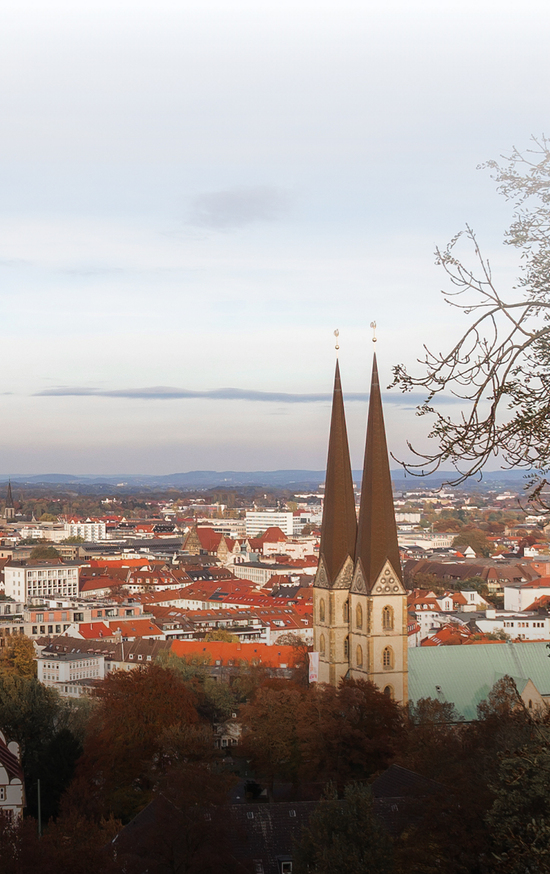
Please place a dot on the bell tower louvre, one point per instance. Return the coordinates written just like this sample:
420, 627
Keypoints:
360, 622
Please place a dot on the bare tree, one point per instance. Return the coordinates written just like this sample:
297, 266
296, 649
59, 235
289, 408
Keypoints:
500, 366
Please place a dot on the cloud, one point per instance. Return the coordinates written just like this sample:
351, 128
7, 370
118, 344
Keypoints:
162, 392
238, 207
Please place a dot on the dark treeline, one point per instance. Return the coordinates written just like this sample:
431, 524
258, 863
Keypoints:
148, 734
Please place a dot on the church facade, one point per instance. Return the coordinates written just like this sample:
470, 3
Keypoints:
359, 601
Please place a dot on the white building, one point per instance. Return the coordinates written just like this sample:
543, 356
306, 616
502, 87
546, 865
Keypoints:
520, 596
437, 540
258, 521
23, 581
525, 626
90, 531
70, 673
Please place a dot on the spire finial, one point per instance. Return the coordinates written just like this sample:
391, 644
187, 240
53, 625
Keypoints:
373, 326
337, 334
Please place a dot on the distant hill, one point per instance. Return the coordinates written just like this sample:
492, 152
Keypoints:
289, 479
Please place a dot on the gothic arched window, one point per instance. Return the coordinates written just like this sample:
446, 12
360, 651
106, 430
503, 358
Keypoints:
387, 618
322, 610
387, 657
359, 656
346, 648
322, 645
388, 691
345, 611
359, 616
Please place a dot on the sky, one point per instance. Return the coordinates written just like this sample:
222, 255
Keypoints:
197, 193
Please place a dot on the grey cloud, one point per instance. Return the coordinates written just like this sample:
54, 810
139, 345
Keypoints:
226, 394
237, 207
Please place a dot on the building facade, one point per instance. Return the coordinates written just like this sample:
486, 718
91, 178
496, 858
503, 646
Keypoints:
24, 581
360, 605
257, 521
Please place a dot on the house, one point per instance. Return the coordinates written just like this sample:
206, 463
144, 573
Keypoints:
12, 783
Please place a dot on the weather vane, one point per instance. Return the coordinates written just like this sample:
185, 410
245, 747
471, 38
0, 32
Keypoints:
373, 326
337, 334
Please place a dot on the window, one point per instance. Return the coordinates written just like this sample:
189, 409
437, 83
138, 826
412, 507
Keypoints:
346, 648
34, 629
359, 656
387, 658
359, 616
388, 691
345, 611
2, 793
322, 610
387, 619
322, 645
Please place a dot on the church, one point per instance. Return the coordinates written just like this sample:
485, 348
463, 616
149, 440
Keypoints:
359, 601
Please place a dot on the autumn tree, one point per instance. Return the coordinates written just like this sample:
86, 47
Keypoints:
499, 367
270, 738
19, 657
347, 733
135, 713
43, 552
221, 634
321, 733
476, 540
345, 837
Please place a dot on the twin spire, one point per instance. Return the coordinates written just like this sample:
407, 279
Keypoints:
372, 541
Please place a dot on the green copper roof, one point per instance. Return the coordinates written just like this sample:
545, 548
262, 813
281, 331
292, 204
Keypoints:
464, 675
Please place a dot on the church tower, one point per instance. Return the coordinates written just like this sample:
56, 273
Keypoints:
378, 602
360, 604
336, 551
9, 511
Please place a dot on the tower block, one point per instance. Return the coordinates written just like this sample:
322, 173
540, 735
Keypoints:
336, 553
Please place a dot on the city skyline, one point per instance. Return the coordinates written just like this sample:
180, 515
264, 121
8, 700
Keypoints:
196, 197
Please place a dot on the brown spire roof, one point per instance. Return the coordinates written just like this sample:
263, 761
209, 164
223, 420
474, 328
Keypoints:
339, 527
377, 531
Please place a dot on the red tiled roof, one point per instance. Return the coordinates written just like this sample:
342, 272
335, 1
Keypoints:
134, 627
226, 653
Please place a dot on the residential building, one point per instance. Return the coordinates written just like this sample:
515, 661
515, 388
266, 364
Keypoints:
258, 520
41, 579
70, 673
88, 530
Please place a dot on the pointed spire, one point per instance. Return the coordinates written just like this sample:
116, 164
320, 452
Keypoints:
9, 496
377, 531
339, 527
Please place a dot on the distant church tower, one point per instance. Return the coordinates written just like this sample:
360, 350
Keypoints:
359, 601
9, 511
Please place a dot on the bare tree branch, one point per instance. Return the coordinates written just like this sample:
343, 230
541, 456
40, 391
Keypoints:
500, 366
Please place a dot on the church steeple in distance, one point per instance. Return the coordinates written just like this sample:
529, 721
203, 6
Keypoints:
339, 526
9, 510
377, 530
